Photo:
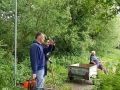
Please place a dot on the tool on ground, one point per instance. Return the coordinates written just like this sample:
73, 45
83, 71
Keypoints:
52, 73
29, 84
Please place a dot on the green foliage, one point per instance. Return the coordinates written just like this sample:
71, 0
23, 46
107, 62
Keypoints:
60, 75
59, 65
110, 81
112, 35
24, 73
7, 75
78, 25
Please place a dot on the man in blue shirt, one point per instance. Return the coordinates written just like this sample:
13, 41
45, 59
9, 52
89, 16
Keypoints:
94, 60
37, 58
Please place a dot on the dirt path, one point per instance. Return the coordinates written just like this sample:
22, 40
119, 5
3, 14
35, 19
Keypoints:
80, 85
76, 84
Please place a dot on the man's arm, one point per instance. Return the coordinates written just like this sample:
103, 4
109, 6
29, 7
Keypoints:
92, 62
47, 49
53, 48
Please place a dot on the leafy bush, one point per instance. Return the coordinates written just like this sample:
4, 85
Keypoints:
59, 66
112, 65
7, 76
110, 81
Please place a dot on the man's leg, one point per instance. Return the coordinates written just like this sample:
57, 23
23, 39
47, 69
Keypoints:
40, 79
45, 69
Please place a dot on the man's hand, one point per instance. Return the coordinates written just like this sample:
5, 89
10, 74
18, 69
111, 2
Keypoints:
34, 76
51, 41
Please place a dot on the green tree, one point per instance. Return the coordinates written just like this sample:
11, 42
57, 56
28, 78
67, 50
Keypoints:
76, 25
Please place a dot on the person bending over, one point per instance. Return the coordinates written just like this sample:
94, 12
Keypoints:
94, 60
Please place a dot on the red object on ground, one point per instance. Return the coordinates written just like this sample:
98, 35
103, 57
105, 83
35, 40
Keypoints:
29, 83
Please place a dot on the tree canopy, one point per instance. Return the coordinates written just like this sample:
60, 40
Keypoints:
76, 25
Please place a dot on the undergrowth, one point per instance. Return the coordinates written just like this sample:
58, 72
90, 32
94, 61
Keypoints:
107, 82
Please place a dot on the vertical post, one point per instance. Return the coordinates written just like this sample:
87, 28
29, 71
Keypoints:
15, 58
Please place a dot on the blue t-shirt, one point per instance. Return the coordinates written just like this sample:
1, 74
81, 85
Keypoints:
94, 58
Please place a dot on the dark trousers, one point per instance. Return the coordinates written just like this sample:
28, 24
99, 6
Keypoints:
45, 68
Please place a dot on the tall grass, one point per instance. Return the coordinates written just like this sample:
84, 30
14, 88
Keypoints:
60, 70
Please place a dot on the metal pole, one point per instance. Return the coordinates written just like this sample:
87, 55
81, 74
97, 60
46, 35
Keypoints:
15, 59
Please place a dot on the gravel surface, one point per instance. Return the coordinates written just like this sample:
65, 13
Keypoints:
81, 85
